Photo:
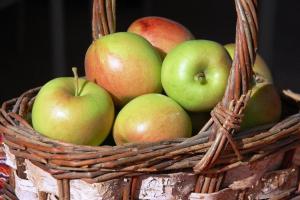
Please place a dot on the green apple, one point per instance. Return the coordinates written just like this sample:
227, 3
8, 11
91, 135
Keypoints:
162, 33
195, 74
264, 106
80, 113
125, 64
151, 118
260, 67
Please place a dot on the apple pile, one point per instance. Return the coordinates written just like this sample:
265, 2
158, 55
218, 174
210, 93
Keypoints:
154, 82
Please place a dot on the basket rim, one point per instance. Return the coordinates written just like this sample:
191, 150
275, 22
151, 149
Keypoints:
53, 154
27, 126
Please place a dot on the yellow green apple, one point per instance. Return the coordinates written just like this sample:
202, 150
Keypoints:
264, 106
80, 113
161, 32
260, 67
125, 64
151, 118
195, 74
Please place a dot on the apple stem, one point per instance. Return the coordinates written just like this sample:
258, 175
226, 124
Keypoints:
259, 78
76, 82
200, 76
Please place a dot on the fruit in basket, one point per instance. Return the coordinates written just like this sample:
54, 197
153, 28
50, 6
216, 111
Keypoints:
162, 33
73, 110
195, 74
263, 107
260, 67
125, 64
151, 118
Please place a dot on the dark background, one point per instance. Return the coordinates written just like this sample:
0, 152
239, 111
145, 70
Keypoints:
43, 39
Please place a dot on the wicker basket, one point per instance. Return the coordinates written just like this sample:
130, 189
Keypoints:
218, 163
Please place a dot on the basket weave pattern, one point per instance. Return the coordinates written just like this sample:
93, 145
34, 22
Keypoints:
218, 150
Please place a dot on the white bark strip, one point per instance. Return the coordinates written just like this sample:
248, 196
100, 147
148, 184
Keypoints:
246, 176
41, 179
271, 185
172, 186
79, 190
10, 158
25, 189
258, 177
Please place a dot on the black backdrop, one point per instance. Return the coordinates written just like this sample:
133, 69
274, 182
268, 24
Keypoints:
40, 40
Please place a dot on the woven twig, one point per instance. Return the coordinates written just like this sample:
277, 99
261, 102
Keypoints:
104, 18
95, 164
241, 74
238, 83
293, 95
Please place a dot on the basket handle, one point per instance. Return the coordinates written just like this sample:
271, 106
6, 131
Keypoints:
246, 48
104, 18
227, 115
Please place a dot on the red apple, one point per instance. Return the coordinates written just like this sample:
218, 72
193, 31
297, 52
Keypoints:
161, 32
125, 64
151, 118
